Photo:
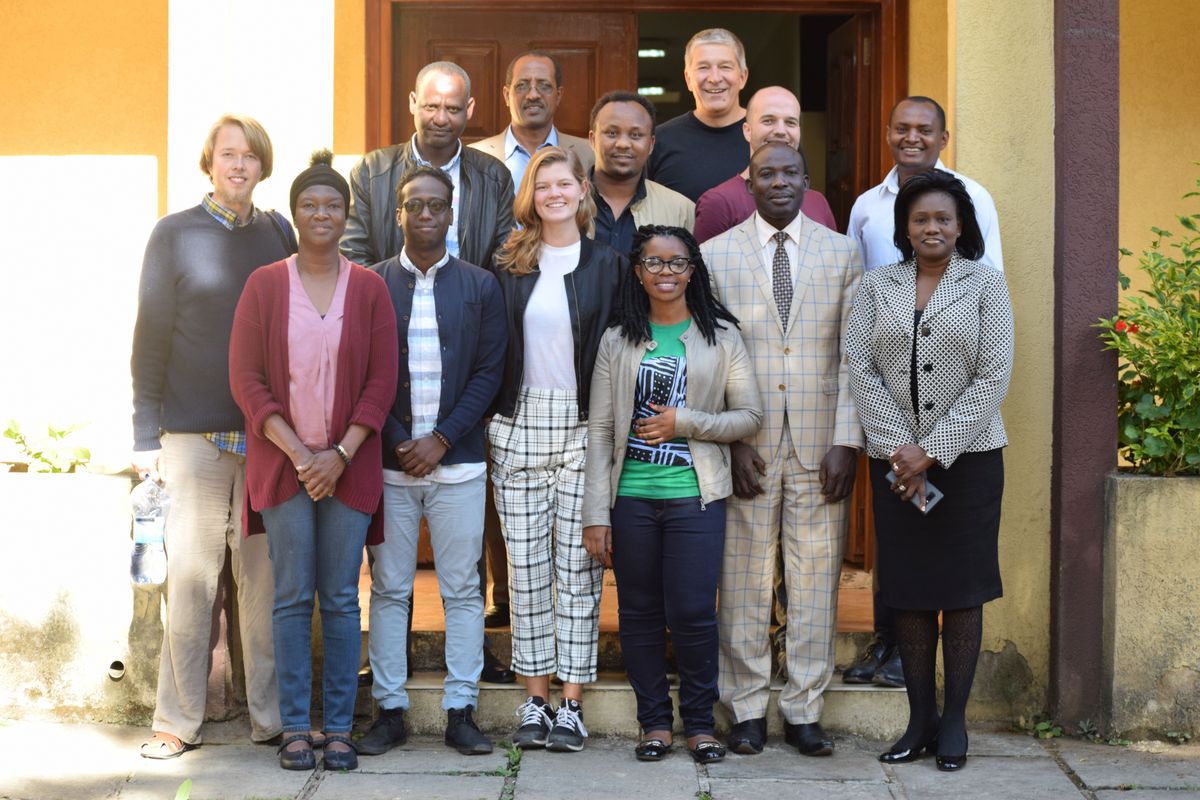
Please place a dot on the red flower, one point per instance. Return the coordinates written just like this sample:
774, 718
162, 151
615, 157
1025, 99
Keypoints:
1120, 326
1133, 328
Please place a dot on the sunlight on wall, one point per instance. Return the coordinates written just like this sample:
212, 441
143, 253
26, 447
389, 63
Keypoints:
271, 59
72, 281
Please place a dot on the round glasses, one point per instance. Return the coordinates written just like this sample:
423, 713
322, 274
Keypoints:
436, 206
655, 265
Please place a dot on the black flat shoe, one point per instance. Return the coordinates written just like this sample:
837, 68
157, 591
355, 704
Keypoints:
297, 759
707, 752
748, 738
907, 754
808, 738
651, 750
495, 671
951, 763
863, 670
340, 759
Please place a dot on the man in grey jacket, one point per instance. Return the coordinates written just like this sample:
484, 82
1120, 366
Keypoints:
441, 104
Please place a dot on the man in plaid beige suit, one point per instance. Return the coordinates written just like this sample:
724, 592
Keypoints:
791, 282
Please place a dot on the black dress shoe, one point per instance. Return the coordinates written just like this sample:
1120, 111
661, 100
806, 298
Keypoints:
808, 738
903, 755
494, 671
890, 672
863, 670
951, 763
496, 617
748, 737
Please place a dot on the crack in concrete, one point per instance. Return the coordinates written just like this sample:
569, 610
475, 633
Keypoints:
1072, 776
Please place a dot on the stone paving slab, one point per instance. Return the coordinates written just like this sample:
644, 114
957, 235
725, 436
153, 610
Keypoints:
31, 764
1147, 794
850, 762
359, 786
431, 756
797, 790
218, 772
985, 777
606, 769
1141, 766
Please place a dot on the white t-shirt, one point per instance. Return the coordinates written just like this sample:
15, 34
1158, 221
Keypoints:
873, 221
549, 343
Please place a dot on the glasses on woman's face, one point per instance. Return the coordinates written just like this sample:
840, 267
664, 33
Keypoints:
655, 265
435, 206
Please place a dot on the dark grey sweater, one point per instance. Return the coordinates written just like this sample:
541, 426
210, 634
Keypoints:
192, 276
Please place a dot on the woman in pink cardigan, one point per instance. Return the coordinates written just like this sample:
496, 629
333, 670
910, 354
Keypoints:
312, 364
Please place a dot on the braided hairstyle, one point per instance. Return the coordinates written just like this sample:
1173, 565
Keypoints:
633, 315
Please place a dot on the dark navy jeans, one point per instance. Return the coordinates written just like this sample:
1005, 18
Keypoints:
667, 558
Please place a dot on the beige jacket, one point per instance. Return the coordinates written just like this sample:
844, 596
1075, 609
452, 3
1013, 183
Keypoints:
723, 406
663, 206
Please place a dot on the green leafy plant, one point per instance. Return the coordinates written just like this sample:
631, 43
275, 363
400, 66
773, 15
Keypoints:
1179, 737
51, 453
185, 790
1047, 729
1156, 334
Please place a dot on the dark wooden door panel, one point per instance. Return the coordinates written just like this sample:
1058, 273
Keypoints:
847, 156
597, 51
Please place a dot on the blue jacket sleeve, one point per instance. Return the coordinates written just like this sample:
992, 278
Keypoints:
488, 369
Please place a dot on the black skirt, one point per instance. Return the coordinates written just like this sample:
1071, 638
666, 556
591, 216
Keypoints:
947, 559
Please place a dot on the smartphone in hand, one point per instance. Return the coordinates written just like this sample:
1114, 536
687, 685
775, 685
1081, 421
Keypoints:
933, 495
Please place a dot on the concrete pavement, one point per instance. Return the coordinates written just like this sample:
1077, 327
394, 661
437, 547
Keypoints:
53, 761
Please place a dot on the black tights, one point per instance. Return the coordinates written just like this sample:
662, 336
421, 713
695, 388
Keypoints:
917, 635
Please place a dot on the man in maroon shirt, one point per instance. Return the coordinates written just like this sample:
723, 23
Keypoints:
772, 115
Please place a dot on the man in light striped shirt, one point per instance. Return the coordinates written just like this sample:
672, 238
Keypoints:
452, 340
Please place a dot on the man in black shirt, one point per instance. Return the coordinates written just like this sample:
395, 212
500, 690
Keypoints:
702, 148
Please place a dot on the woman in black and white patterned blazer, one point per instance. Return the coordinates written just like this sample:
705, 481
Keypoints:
930, 348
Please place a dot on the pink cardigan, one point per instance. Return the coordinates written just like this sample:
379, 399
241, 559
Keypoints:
363, 393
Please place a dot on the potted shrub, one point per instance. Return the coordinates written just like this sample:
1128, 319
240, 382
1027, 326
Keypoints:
1151, 551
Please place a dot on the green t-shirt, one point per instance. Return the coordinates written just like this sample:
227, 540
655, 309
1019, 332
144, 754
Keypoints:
664, 471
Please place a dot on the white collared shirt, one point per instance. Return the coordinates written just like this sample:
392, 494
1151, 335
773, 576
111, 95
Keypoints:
517, 159
791, 245
873, 225
453, 168
425, 377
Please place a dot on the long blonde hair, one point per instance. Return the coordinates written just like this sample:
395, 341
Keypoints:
519, 254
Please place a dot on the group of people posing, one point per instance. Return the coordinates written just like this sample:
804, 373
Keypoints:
649, 350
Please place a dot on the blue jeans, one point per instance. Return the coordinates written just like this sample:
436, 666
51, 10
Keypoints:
316, 547
455, 515
667, 558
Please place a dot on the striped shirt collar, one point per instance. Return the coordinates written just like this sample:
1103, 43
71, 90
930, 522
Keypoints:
407, 263
225, 216
449, 166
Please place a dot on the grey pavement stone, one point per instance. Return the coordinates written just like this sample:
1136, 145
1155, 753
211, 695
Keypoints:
797, 790
985, 777
1150, 765
1016, 745
606, 769
407, 786
102, 757
853, 760
218, 772
432, 756
1147, 794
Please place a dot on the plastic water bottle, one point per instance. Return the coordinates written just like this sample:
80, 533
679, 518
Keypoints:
148, 564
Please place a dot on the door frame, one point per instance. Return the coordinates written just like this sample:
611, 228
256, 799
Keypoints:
887, 27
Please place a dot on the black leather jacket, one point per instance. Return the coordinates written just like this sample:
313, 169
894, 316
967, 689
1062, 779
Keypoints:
592, 299
483, 221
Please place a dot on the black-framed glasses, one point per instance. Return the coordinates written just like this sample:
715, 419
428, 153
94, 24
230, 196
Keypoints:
655, 265
436, 206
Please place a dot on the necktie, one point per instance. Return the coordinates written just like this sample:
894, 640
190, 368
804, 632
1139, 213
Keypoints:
781, 278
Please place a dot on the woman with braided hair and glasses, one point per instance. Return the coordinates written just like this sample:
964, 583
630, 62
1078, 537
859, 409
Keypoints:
672, 386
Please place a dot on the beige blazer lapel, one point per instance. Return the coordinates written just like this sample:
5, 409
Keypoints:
808, 254
752, 257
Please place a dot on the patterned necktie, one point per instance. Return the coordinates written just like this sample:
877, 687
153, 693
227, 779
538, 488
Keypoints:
781, 278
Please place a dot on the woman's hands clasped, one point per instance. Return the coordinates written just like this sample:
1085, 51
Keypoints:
657, 429
597, 540
319, 473
910, 462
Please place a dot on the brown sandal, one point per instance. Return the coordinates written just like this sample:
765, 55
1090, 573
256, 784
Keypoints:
162, 746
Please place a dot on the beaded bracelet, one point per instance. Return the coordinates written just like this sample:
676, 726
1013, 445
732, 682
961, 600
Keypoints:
341, 451
441, 438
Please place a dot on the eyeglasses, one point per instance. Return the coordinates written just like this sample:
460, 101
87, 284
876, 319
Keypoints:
655, 265
543, 87
436, 206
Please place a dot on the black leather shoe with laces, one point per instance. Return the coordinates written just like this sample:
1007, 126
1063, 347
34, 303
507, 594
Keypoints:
463, 734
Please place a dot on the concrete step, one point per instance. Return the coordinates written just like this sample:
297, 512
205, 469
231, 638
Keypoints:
611, 709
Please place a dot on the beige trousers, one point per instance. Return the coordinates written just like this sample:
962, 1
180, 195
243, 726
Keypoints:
813, 535
206, 488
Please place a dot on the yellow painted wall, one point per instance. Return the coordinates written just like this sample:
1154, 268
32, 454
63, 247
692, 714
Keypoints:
85, 78
1160, 118
931, 58
349, 76
989, 84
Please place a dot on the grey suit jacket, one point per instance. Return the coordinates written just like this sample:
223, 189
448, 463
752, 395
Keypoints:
494, 147
802, 375
964, 350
